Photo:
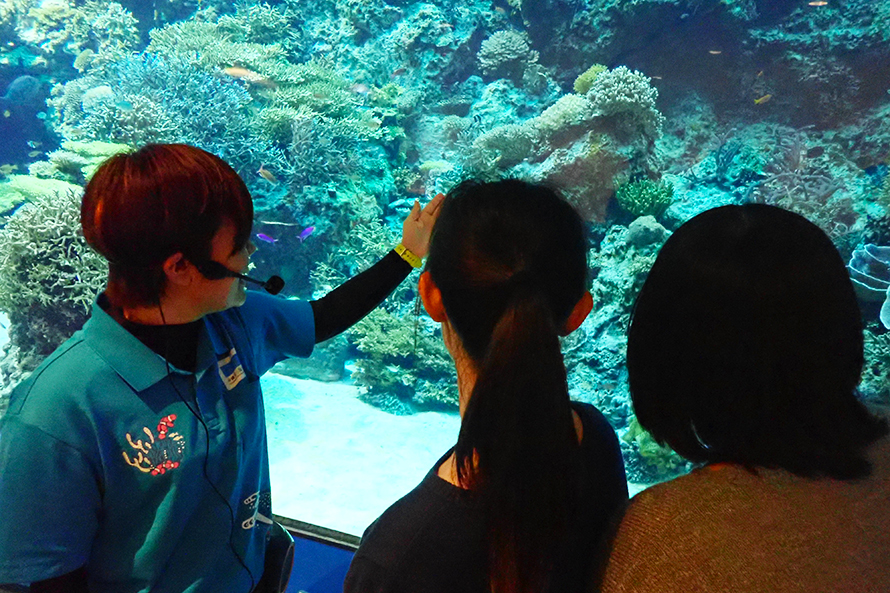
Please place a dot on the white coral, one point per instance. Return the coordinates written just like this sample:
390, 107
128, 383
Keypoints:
628, 92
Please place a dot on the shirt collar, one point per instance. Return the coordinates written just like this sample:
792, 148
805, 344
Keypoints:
132, 360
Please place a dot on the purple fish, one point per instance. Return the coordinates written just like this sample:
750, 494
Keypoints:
306, 232
266, 238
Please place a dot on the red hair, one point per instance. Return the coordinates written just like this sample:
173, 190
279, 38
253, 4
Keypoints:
140, 208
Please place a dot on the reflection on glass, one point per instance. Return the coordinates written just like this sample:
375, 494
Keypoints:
338, 114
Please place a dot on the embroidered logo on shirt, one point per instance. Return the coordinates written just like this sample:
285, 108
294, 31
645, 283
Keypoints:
157, 455
230, 370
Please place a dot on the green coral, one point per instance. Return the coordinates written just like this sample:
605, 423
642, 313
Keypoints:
586, 78
388, 367
661, 461
645, 197
49, 276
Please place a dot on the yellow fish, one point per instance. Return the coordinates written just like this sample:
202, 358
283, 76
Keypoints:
6, 113
266, 174
762, 99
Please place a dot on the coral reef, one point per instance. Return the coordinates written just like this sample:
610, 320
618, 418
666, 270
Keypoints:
506, 54
645, 197
49, 276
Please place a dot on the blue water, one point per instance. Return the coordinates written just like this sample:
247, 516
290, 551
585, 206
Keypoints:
339, 114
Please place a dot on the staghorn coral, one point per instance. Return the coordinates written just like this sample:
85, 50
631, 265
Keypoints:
49, 276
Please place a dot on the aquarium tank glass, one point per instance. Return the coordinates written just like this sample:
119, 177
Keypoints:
338, 114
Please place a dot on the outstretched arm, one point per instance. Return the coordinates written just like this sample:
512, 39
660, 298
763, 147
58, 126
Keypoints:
350, 302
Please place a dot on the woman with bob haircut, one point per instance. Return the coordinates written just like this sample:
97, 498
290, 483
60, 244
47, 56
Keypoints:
135, 457
744, 353
525, 496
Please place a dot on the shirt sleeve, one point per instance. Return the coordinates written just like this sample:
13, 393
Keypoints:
351, 301
365, 576
278, 328
50, 497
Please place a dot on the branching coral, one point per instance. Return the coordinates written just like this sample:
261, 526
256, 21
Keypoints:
105, 28
645, 197
627, 96
392, 367
49, 276
506, 54
156, 99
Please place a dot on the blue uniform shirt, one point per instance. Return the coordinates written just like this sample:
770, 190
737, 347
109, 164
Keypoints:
155, 479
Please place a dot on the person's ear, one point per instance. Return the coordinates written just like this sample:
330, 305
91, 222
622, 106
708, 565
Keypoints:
431, 297
579, 313
178, 269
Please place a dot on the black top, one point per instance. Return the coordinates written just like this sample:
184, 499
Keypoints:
432, 539
334, 313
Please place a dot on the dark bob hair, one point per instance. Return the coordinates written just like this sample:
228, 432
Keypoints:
746, 346
140, 208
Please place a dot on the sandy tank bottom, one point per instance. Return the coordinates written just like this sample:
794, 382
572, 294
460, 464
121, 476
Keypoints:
338, 462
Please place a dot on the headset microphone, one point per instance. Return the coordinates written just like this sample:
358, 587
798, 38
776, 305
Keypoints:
213, 270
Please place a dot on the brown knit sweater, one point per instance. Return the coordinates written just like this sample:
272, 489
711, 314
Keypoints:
726, 530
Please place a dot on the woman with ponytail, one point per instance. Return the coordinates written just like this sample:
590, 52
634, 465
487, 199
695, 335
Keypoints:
523, 500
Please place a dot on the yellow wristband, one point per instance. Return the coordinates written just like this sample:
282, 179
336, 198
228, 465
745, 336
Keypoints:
406, 255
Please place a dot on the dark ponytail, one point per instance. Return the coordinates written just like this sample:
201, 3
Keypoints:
510, 261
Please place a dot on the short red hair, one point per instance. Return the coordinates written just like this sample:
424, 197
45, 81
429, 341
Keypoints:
140, 208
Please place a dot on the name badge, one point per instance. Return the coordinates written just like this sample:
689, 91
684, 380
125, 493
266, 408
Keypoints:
230, 370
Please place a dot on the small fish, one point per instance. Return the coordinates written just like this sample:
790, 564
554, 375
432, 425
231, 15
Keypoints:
34, 144
276, 222
267, 175
124, 105
815, 152
715, 52
762, 100
250, 77
266, 238
398, 72
818, 3
34, 153
360, 88
657, 77
306, 232
444, 25
759, 74
500, 10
